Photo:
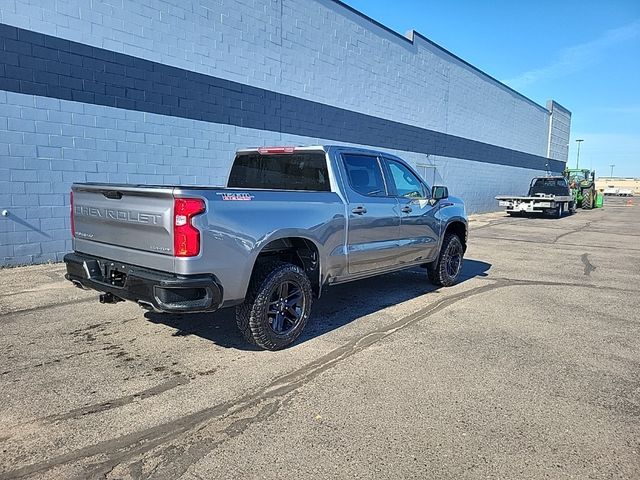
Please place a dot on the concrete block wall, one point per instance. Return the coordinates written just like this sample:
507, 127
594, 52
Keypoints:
151, 91
559, 130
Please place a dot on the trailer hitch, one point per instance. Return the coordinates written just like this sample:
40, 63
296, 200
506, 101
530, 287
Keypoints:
109, 298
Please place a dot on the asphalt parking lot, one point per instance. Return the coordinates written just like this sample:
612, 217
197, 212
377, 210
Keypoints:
529, 368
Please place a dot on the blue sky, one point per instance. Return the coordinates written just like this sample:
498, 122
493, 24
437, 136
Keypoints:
583, 54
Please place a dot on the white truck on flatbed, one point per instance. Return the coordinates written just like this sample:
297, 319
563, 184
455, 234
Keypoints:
549, 195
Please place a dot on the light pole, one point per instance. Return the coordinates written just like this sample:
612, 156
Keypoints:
578, 141
612, 165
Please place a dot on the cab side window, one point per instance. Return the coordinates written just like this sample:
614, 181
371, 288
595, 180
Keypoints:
365, 175
407, 184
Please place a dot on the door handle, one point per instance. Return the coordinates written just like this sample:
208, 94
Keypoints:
359, 210
406, 209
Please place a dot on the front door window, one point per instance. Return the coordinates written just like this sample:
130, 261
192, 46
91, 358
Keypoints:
406, 183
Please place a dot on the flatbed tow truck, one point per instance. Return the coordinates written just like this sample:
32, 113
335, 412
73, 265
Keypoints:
550, 195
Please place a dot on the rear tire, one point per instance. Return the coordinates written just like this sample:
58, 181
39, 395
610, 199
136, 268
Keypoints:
277, 306
446, 270
587, 199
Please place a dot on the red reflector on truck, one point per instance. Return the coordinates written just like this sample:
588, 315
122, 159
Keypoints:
186, 237
275, 150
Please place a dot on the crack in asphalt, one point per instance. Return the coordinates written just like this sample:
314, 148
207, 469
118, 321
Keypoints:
575, 230
130, 446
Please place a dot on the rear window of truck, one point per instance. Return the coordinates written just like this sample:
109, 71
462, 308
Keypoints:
292, 171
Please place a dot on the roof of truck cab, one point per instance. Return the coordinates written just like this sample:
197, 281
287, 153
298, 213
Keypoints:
324, 148
296, 147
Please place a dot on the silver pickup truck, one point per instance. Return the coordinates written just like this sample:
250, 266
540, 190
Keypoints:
290, 221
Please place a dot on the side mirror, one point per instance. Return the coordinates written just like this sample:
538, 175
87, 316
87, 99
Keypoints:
440, 193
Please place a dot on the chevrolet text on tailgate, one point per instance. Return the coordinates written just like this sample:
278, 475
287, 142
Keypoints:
290, 221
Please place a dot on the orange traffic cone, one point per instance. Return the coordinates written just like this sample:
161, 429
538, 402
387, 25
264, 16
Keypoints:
629, 203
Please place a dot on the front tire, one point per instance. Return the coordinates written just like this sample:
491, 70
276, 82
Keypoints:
446, 270
277, 306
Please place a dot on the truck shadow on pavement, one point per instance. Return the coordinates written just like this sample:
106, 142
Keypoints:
339, 306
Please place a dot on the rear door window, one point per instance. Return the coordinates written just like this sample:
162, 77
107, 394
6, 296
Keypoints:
364, 174
294, 171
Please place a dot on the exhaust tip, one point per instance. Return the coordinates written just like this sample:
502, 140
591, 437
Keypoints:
79, 285
148, 306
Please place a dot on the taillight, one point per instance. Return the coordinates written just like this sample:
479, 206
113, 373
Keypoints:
186, 237
73, 223
275, 150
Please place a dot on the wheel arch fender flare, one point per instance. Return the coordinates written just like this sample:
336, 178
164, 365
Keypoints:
458, 225
288, 238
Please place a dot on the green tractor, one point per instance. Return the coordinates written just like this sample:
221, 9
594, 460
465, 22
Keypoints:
583, 187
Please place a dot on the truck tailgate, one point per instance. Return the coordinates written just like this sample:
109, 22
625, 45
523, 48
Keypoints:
129, 217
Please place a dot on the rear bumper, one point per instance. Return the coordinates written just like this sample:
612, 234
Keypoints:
152, 289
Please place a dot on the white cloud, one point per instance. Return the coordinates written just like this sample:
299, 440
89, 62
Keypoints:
578, 57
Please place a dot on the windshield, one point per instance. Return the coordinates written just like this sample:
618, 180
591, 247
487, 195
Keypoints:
577, 176
548, 186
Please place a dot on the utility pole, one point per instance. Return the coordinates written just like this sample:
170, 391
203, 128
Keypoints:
578, 141
612, 165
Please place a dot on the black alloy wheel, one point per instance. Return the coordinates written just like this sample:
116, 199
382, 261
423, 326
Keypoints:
277, 306
286, 307
453, 258
445, 271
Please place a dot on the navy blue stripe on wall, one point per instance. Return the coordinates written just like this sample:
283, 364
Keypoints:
38, 64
